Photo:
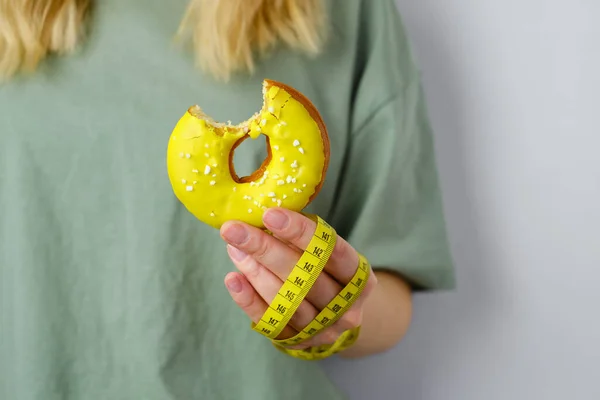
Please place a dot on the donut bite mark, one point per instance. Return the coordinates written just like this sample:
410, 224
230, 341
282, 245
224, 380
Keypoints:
202, 172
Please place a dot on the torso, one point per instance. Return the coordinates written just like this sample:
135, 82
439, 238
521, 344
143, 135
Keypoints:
114, 289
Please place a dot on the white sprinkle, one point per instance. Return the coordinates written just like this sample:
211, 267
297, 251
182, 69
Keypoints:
246, 197
271, 109
282, 159
257, 204
280, 182
263, 122
294, 164
278, 203
274, 200
296, 143
249, 211
301, 150
207, 170
206, 145
266, 173
282, 122
212, 214
212, 183
296, 190
234, 188
206, 155
288, 179
214, 175
181, 155
246, 129
188, 155
195, 171
252, 183
189, 188
275, 176
271, 194
276, 147
263, 207
285, 196
214, 165
183, 181
195, 182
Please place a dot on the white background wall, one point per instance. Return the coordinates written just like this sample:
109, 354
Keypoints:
514, 94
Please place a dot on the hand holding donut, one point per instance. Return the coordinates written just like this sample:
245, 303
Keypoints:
202, 175
264, 261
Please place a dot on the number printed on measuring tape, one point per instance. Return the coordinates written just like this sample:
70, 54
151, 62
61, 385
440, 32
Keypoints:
295, 288
336, 308
299, 281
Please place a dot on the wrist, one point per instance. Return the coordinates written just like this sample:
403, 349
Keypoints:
387, 314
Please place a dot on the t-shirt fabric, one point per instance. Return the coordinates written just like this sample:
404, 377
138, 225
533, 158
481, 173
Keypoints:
110, 289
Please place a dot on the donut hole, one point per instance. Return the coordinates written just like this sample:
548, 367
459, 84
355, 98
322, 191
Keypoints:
249, 157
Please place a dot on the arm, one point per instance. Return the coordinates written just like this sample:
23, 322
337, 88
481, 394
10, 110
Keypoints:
264, 261
388, 204
387, 316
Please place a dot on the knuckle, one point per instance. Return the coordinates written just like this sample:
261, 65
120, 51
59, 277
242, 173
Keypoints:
352, 318
246, 302
338, 250
343, 250
260, 248
329, 336
251, 268
300, 229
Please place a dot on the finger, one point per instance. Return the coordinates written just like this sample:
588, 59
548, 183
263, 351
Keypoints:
279, 258
299, 230
244, 295
352, 318
266, 284
343, 263
266, 249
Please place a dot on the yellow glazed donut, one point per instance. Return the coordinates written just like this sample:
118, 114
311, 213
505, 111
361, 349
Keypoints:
200, 159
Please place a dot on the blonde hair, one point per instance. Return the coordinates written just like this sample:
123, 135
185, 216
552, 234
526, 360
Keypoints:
225, 36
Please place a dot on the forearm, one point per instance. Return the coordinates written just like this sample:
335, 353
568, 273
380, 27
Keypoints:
386, 316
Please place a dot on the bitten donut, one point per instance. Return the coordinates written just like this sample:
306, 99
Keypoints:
200, 159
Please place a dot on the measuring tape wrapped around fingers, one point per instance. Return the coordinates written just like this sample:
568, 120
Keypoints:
296, 287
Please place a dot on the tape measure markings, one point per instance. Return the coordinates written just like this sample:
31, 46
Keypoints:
328, 316
295, 288
298, 283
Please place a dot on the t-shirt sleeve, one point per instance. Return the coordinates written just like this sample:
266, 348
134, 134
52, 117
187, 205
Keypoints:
389, 204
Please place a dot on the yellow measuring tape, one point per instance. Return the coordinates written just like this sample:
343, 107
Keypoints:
296, 287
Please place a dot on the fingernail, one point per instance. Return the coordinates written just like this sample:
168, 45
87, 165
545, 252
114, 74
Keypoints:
276, 219
235, 234
235, 253
234, 285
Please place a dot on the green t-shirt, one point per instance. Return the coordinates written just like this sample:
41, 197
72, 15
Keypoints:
110, 289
